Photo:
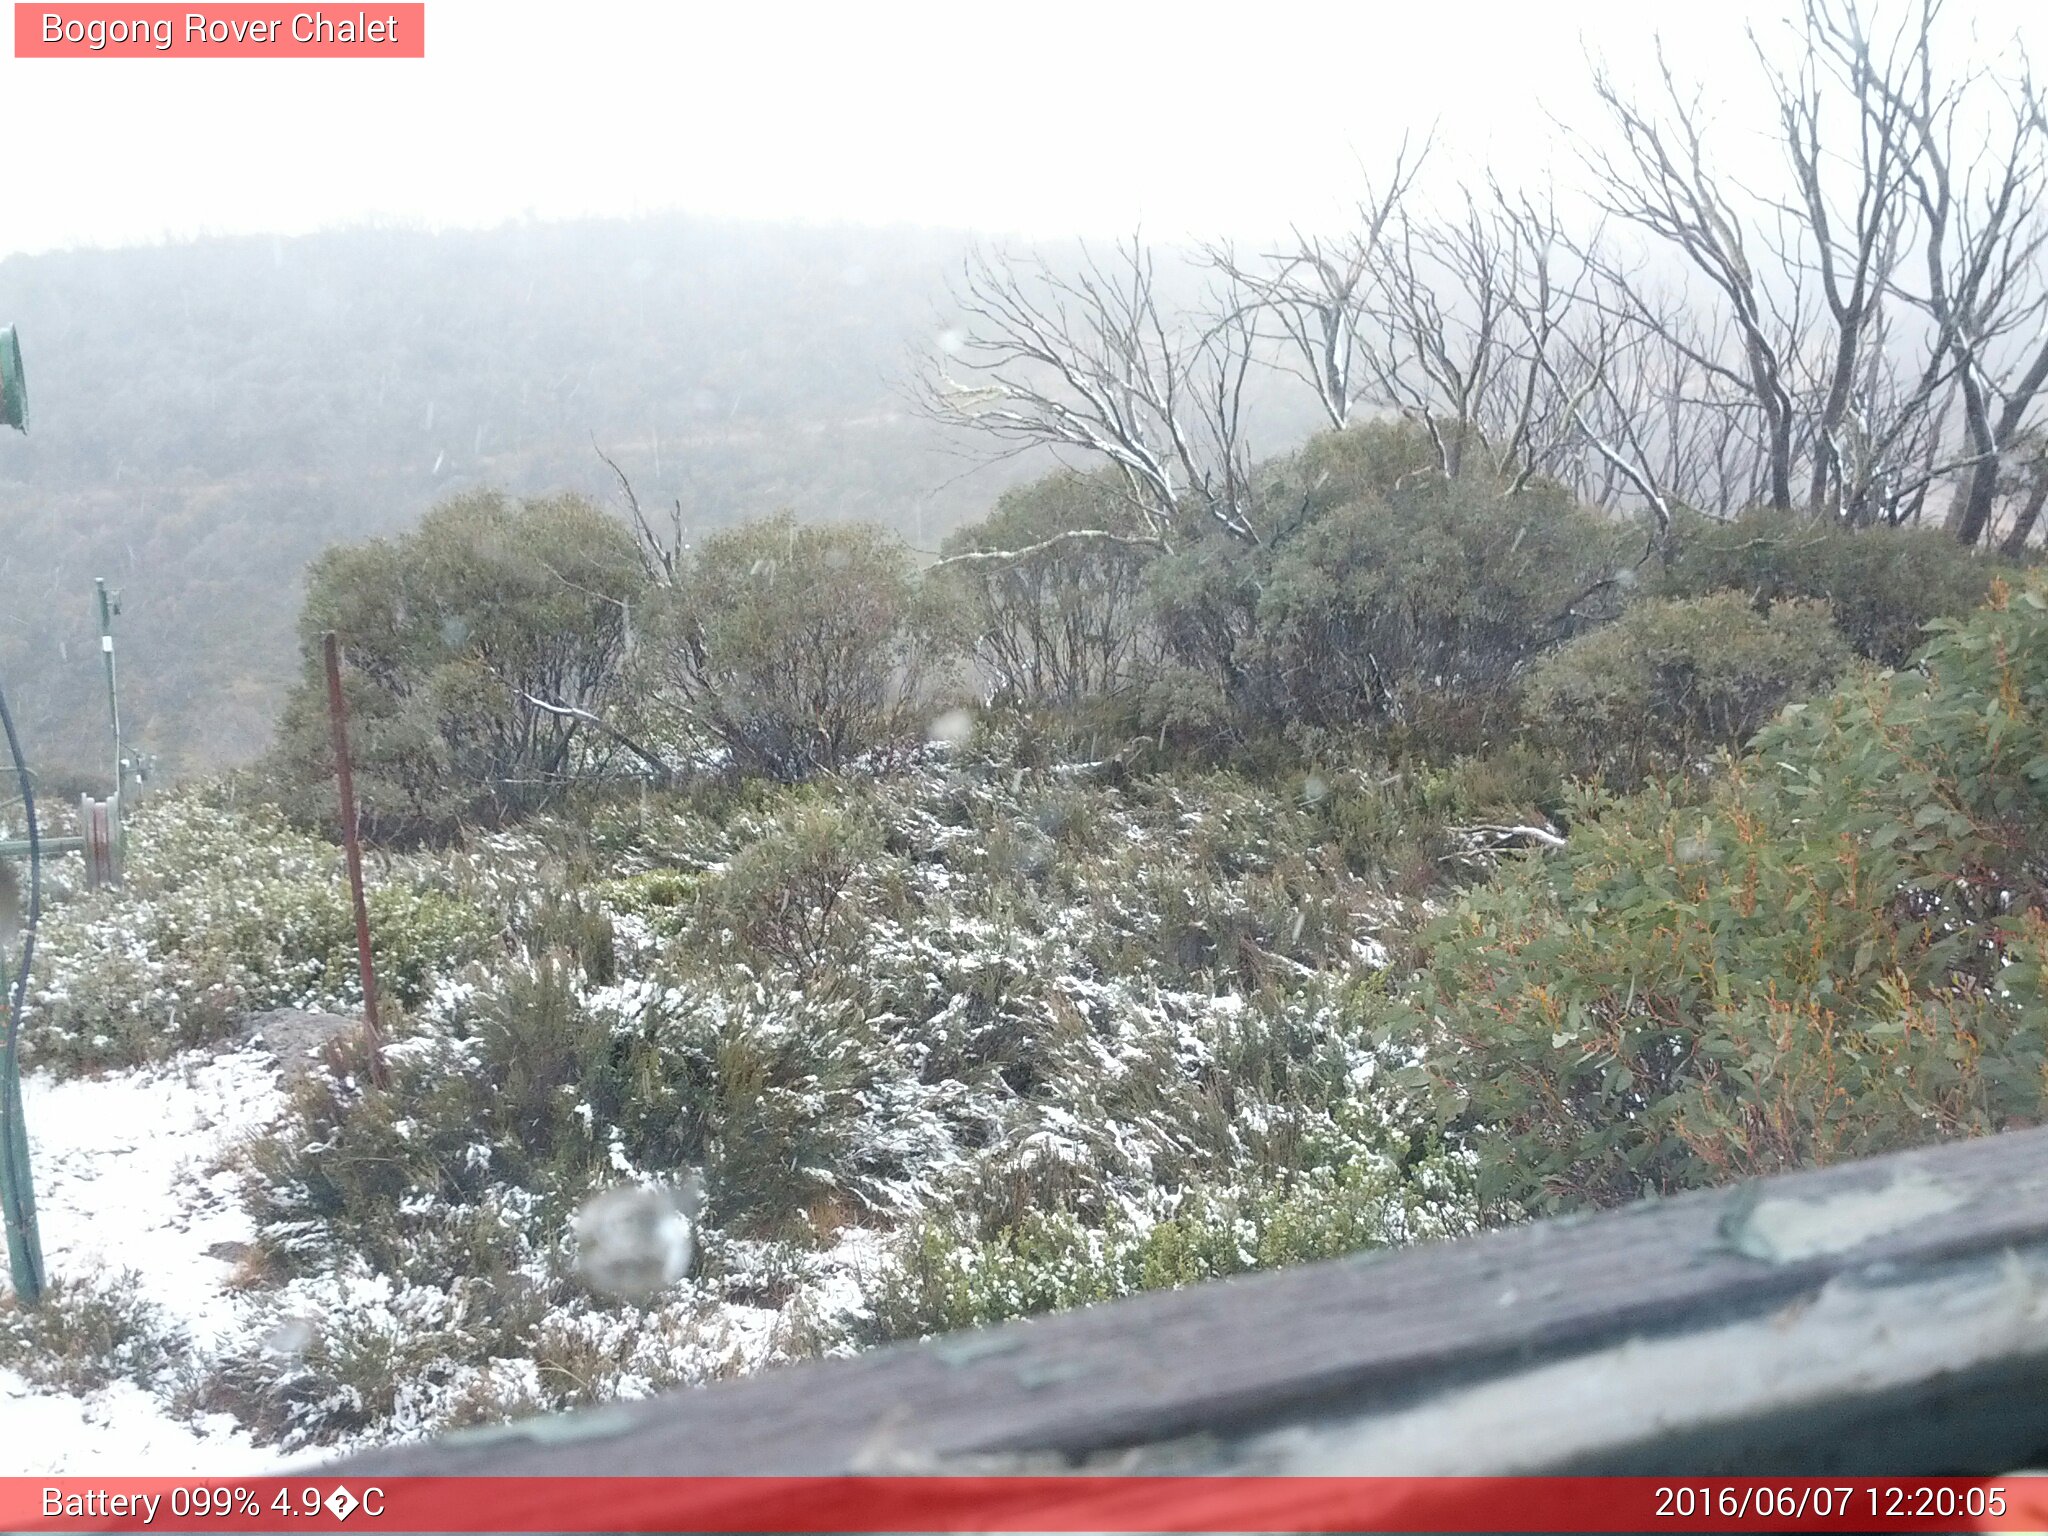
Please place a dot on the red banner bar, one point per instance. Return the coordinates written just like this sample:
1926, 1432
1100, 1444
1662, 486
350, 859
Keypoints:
1053, 1504
223, 31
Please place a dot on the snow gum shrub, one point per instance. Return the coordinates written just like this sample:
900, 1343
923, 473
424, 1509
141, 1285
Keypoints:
227, 911
1675, 679
1390, 594
793, 649
448, 634
1883, 585
1064, 622
1838, 953
89, 1334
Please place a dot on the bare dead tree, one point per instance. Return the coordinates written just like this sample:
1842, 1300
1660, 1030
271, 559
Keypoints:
1606, 371
1450, 287
1322, 293
1535, 431
2034, 499
1805, 361
662, 549
1094, 362
1983, 238
1660, 180
1851, 222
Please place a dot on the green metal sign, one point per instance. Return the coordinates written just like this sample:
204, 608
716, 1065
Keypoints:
13, 382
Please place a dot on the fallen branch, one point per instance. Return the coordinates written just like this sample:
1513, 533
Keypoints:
1093, 535
663, 774
1482, 842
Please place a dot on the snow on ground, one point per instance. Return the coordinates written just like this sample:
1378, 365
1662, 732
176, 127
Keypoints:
118, 1431
127, 1177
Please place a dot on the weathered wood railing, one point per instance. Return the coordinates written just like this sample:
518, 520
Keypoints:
1883, 1317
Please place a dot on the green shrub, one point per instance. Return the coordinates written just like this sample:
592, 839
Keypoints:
787, 897
227, 911
552, 1093
449, 635
1883, 585
1064, 622
1392, 819
1839, 953
795, 649
942, 1277
88, 1334
1672, 680
1389, 594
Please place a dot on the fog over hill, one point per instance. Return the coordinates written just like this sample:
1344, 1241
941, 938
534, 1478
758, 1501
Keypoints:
207, 416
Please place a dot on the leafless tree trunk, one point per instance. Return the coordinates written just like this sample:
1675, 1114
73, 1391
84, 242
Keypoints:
1094, 362
1323, 293
1660, 180
1983, 236
1849, 237
2029, 514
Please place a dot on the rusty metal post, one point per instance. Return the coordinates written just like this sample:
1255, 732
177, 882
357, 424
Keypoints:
337, 715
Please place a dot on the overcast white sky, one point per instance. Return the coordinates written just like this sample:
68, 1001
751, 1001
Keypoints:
1041, 118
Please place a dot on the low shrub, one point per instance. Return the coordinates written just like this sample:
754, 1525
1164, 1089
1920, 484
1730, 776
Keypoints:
793, 894
227, 911
1882, 585
478, 647
1675, 679
1839, 952
90, 1333
963, 995
1062, 622
794, 649
942, 1277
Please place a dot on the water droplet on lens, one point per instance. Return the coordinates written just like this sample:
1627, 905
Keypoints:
955, 728
635, 1241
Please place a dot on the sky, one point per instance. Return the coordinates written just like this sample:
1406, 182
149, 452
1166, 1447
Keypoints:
1051, 118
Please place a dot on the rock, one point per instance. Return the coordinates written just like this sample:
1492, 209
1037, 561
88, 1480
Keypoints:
296, 1038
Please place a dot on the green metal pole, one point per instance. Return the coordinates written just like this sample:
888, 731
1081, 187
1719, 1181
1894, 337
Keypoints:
109, 606
17, 1190
17, 1193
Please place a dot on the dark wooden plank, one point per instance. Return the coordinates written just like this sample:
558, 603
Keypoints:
1354, 1336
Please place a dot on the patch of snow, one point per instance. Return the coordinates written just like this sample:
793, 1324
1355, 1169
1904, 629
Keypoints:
121, 1431
128, 1177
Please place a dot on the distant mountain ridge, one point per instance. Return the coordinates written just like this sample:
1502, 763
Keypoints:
208, 415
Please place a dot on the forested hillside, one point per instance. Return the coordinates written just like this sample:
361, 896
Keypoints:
210, 415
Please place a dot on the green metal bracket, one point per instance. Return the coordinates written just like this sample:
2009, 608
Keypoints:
13, 382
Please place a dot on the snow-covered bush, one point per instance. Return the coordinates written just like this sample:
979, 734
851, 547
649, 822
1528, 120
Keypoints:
947, 1276
227, 911
88, 1334
958, 1002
